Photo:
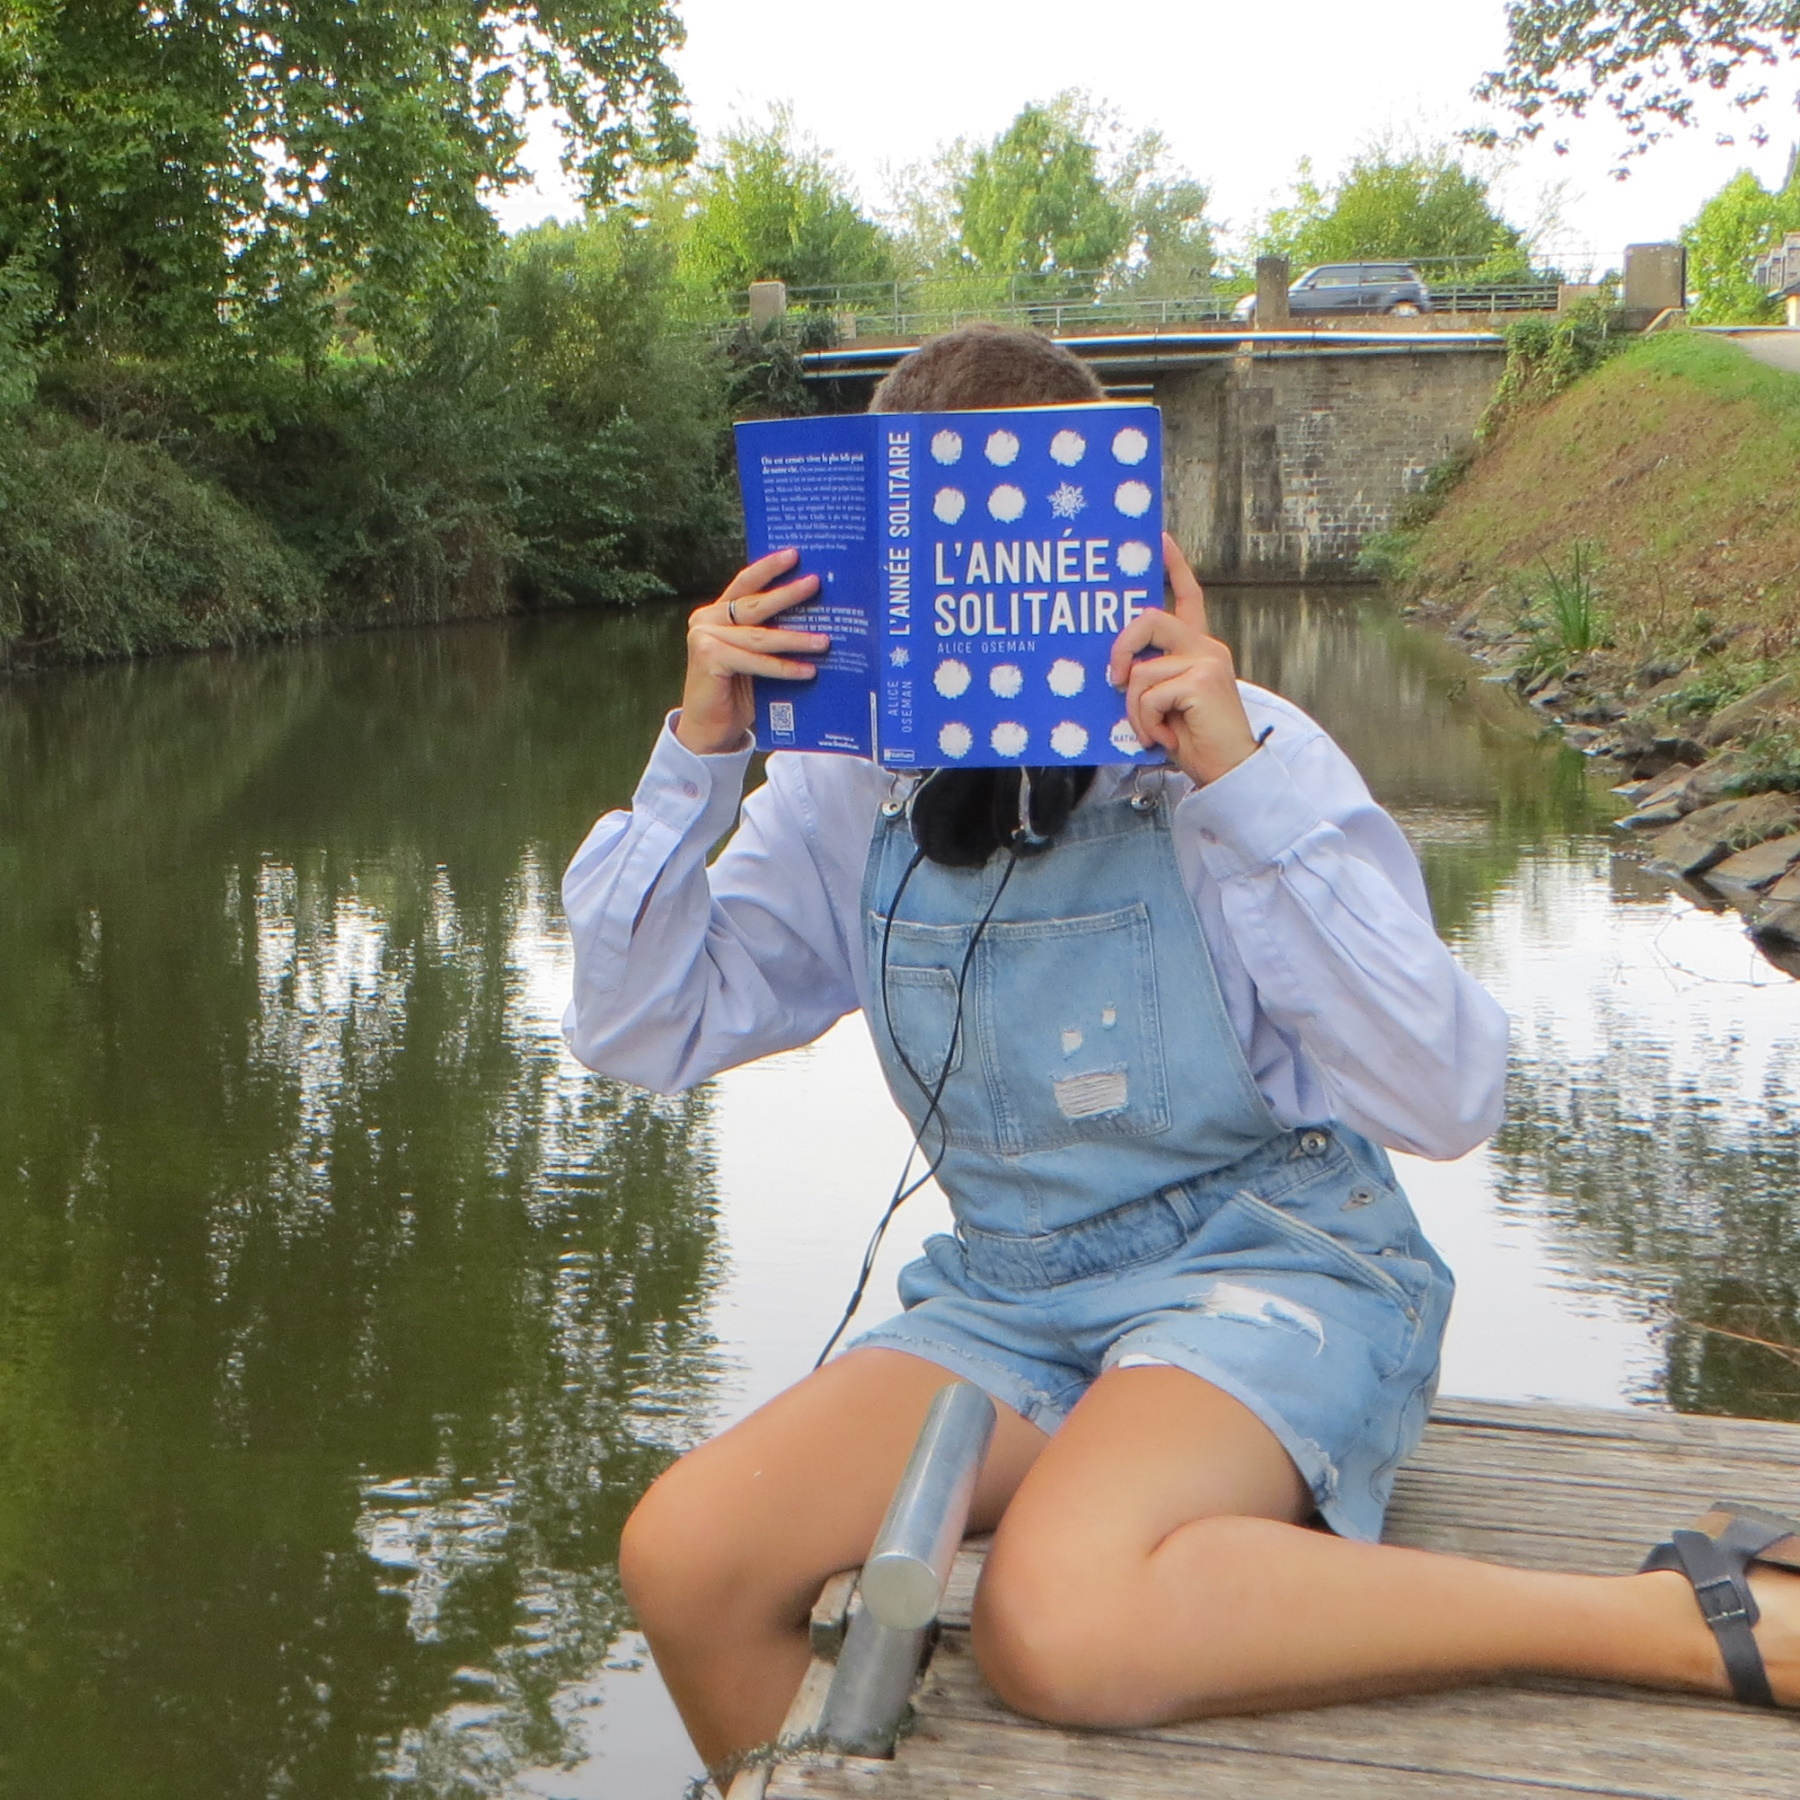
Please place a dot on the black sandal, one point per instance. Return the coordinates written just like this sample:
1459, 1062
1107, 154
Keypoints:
1715, 1556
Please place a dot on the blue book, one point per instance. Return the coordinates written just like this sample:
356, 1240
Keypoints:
974, 569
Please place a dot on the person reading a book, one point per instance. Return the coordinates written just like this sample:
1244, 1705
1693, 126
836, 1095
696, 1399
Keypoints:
1158, 1031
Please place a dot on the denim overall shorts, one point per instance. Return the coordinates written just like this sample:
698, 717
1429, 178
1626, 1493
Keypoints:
1121, 1191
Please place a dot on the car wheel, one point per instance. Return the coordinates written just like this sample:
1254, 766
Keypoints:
1406, 309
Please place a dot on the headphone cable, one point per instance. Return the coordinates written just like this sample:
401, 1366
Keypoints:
933, 1092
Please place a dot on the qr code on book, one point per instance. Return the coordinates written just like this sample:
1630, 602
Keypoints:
781, 718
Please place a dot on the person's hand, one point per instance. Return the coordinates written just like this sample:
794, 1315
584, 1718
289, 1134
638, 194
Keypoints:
728, 642
1186, 700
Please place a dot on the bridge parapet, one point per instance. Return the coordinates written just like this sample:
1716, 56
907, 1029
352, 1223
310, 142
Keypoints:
1069, 303
1284, 451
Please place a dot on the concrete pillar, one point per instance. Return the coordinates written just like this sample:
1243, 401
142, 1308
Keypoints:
1793, 312
1655, 278
768, 303
1272, 293
1572, 293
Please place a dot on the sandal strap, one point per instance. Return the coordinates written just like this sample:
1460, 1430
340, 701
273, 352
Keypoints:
1715, 1569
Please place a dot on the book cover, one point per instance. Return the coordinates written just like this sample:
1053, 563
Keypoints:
974, 570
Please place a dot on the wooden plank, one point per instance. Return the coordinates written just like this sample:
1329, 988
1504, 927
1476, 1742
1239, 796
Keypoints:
1636, 1425
951, 1761
752, 1782
831, 1613
1604, 1740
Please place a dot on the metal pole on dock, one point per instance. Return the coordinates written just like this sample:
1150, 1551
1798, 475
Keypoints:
902, 1583
903, 1580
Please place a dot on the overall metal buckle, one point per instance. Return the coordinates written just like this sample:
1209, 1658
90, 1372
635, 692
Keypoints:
1145, 798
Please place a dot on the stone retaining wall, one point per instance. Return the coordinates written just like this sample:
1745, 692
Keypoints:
1281, 467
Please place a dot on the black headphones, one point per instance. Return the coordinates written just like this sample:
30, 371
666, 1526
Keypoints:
960, 817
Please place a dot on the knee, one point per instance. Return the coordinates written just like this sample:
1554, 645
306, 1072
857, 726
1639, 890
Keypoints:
1045, 1631
1060, 1624
680, 1558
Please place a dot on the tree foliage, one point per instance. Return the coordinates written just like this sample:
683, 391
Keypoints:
1063, 188
1422, 205
279, 168
1646, 61
769, 206
1737, 224
618, 465
1033, 202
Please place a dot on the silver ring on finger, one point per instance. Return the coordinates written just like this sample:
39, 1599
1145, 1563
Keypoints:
731, 611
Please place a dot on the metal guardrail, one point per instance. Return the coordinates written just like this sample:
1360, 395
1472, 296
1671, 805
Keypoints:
1073, 304
1494, 297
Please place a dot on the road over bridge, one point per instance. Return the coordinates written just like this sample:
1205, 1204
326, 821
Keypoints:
1285, 450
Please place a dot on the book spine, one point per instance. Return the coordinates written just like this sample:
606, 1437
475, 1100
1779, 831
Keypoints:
892, 678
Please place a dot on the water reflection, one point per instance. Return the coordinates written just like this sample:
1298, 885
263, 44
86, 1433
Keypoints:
344, 1319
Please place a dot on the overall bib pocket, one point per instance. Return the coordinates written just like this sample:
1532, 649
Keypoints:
923, 964
1070, 1031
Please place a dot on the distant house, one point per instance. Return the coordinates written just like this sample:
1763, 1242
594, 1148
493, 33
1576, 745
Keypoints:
1777, 272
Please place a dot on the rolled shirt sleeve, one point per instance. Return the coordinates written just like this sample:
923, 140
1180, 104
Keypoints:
1320, 901
681, 971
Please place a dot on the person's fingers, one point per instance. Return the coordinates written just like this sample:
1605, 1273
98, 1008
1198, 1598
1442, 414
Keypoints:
752, 609
753, 577
1151, 630
771, 640
1161, 675
1184, 586
724, 652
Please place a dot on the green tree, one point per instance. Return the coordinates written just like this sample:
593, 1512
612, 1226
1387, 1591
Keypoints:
1034, 202
1645, 60
1422, 205
618, 470
1169, 247
1738, 223
1064, 187
769, 206
279, 169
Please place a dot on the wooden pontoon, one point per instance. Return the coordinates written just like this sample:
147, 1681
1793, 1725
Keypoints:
1547, 1487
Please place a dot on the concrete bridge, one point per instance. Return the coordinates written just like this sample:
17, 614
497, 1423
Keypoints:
1285, 451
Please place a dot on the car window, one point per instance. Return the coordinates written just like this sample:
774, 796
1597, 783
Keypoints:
1339, 277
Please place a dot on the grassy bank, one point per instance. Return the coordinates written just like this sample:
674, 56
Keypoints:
1627, 553
1674, 463
1631, 547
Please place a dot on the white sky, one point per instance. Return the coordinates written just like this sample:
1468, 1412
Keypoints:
1241, 93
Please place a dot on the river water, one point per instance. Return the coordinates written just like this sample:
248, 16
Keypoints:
342, 1316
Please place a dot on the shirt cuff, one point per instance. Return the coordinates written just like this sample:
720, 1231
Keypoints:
688, 792
1251, 816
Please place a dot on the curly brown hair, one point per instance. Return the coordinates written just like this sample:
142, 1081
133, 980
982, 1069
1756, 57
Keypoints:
980, 366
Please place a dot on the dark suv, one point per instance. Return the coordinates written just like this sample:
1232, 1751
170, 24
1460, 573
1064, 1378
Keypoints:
1368, 287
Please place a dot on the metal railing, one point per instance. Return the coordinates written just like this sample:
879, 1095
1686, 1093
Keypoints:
1076, 302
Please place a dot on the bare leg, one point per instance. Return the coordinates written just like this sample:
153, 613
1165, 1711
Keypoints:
1152, 1567
727, 1551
